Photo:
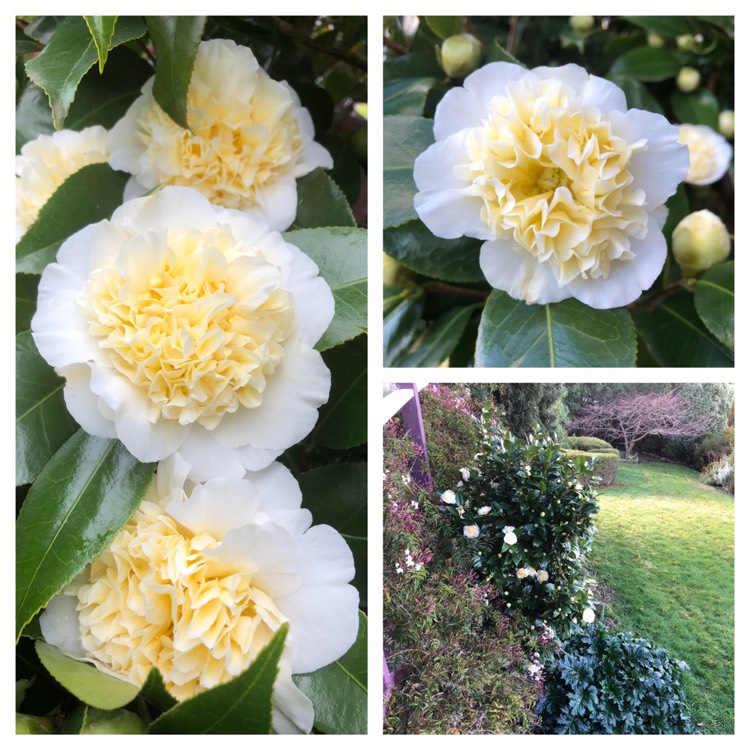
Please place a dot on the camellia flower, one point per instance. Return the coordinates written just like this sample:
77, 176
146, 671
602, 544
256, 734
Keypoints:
249, 138
466, 474
448, 497
199, 580
564, 183
46, 162
710, 154
484, 510
179, 325
472, 532
522, 572
589, 615
542, 576
509, 538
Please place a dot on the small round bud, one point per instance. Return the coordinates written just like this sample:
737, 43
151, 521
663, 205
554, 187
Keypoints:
700, 241
686, 42
655, 40
688, 79
460, 55
726, 123
581, 23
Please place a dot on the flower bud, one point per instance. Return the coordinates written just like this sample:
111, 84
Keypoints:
581, 23
113, 722
726, 123
700, 241
460, 55
688, 79
655, 40
686, 42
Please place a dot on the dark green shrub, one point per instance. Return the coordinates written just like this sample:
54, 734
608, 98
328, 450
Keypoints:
589, 444
529, 520
604, 464
614, 683
713, 447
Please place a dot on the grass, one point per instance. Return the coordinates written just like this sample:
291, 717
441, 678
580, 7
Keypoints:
666, 548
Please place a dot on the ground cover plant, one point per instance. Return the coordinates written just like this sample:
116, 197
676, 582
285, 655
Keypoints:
488, 259
665, 548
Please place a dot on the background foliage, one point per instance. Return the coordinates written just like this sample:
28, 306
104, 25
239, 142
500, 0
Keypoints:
75, 72
438, 307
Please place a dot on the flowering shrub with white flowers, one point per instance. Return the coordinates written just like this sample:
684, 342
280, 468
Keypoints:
191, 290
527, 513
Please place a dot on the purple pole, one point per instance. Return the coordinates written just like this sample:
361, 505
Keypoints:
411, 414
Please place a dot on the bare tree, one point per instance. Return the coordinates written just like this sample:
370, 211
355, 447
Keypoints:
631, 418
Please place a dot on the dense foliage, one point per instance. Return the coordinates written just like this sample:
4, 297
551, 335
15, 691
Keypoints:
439, 308
614, 683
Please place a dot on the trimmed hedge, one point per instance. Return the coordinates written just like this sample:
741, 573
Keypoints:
590, 445
605, 464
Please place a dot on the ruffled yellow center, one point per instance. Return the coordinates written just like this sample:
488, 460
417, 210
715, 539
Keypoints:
234, 148
556, 178
154, 599
198, 330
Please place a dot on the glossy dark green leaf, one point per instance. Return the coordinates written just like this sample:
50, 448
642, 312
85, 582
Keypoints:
43, 423
699, 108
321, 203
26, 291
404, 139
68, 56
496, 52
339, 691
155, 692
676, 336
648, 63
406, 96
241, 706
440, 339
77, 504
414, 65
337, 495
723, 22
417, 248
89, 195
343, 420
33, 116
102, 29
176, 40
42, 28
565, 334
445, 26
85, 681
666, 25
400, 327
341, 256
120, 721
714, 301
636, 94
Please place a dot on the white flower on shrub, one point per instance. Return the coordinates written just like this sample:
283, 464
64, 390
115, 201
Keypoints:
472, 532
564, 184
448, 497
542, 576
589, 615
484, 510
466, 474
710, 154
510, 538
522, 572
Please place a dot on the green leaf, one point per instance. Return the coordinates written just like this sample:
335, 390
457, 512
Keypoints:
26, 291
343, 420
405, 138
339, 691
337, 495
414, 65
241, 706
498, 53
699, 108
414, 245
86, 682
68, 56
666, 25
77, 504
445, 26
406, 96
176, 40
341, 256
155, 692
102, 29
88, 196
636, 94
648, 63
33, 116
440, 339
400, 326
714, 301
42, 28
676, 337
120, 721
43, 423
321, 203
565, 334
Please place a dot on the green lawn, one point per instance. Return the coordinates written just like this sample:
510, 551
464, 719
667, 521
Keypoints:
666, 548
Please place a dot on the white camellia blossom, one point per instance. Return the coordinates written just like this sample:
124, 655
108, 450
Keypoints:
249, 138
472, 532
710, 154
542, 576
565, 185
47, 161
589, 615
448, 497
182, 326
484, 510
199, 580
466, 474
509, 538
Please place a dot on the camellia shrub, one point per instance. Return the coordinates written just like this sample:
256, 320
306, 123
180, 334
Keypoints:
605, 464
528, 512
614, 683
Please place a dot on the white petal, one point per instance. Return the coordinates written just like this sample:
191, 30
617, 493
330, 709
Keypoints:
277, 203
603, 95
277, 487
518, 273
83, 404
168, 208
326, 557
293, 711
209, 457
255, 459
59, 624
